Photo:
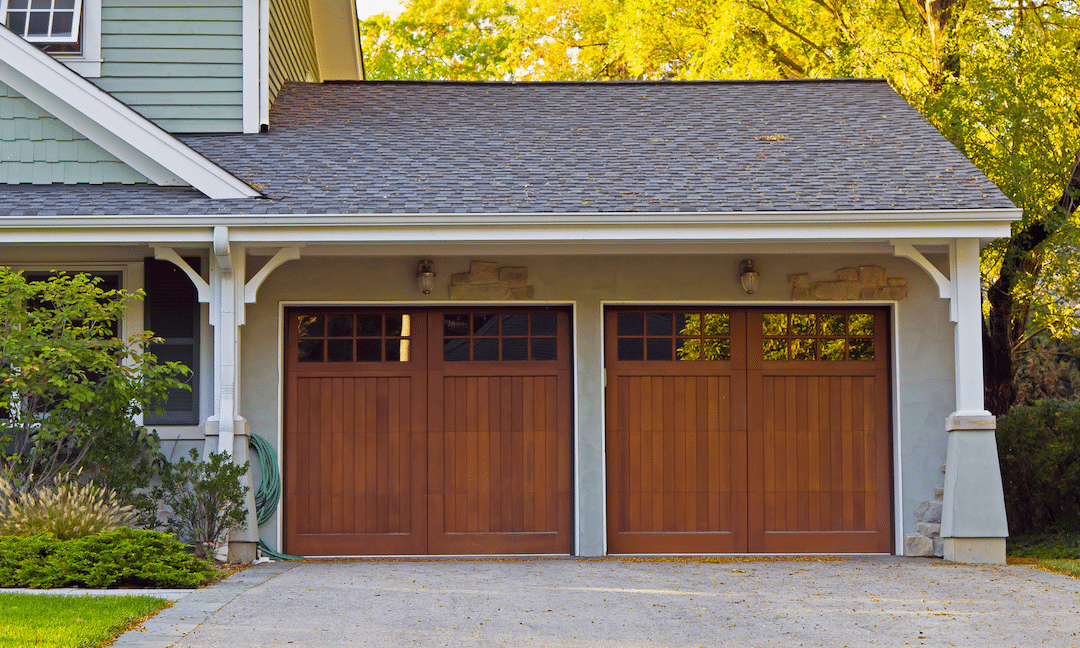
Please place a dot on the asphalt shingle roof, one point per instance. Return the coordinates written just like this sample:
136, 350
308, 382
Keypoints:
448, 147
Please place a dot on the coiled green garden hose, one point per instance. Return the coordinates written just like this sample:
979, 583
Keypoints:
268, 491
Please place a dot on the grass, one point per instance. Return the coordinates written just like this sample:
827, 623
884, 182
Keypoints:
1056, 552
51, 621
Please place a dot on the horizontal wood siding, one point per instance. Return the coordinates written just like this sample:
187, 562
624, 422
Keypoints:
292, 45
37, 148
177, 63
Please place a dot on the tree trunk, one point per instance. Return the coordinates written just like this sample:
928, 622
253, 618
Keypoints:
1008, 317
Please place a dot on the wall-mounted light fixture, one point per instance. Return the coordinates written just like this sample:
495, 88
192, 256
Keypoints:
748, 276
425, 276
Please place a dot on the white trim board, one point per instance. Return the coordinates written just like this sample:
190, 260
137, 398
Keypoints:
110, 124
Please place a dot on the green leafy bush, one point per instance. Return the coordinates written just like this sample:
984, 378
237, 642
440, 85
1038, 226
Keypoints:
204, 499
1039, 451
64, 508
124, 557
70, 386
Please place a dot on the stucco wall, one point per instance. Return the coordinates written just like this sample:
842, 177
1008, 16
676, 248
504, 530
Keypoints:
923, 360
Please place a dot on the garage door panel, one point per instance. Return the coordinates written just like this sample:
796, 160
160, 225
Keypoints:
670, 447
501, 457
780, 445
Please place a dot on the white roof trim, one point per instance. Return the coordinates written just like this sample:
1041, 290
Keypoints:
109, 123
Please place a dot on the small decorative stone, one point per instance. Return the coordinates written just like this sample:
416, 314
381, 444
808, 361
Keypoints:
872, 276
800, 293
917, 545
939, 547
461, 279
930, 529
939, 492
799, 280
483, 272
514, 277
847, 274
524, 292
896, 281
928, 511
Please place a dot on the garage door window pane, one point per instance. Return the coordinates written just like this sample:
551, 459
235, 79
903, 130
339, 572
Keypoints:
339, 326
806, 336
659, 348
500, 337
630, 324
658, 323
310, 351
339, 350
631, 349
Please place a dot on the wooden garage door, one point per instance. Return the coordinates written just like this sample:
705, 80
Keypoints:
747, 430
428, 432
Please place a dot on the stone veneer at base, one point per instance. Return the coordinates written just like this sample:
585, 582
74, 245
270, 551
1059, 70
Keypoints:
986, 551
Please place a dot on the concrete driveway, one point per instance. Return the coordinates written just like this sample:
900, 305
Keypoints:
859, 601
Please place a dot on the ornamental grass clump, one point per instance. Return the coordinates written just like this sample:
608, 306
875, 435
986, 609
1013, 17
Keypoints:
64, 507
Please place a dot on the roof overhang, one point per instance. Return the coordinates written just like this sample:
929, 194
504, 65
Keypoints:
531, 229
110, 124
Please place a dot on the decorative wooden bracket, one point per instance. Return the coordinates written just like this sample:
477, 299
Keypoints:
170, 255
946, 287
284, 255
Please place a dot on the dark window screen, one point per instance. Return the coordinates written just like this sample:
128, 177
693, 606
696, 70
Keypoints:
172, 313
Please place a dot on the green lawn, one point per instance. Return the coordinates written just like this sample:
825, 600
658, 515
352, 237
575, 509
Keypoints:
1057, 552
50, 621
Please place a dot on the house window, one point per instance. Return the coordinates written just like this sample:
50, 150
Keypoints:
44, 21
172, 312
70, 30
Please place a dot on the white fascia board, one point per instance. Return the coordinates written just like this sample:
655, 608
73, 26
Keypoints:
110, 124
543, 228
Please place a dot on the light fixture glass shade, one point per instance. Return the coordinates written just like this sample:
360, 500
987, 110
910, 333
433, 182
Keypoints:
748, 276
425, 276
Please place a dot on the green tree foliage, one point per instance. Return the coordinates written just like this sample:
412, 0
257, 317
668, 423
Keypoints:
69, 386
1000, 80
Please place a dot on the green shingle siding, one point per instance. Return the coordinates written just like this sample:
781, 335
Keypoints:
177, 63
37, 148
292, 45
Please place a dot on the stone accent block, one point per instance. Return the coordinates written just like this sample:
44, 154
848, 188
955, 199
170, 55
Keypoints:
486, 281
864, 282
930, 529
917, 545
939, 547
872, 276
480, 292
514, 277
483, 272
939, 492
847, 274
929, 511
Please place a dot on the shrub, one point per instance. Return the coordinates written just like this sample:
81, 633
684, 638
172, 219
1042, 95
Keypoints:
204, 499
1039, 451
65, 508
69, 384
123, 557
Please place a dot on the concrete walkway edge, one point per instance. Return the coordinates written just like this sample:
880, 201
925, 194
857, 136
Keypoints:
171, 624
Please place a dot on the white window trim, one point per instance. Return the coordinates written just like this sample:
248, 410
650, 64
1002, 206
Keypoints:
88, 63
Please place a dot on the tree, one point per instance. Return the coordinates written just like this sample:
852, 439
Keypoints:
69, 386
1000, 80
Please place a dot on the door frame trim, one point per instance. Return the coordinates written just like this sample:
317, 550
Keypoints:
282, 305
896, 435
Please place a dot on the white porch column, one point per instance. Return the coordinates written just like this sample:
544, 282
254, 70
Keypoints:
973, 524
226, 430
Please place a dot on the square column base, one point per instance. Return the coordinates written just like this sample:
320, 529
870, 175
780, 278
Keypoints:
241, 553
980, 551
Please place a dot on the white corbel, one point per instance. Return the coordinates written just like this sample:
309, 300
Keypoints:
284, 255
222, 248
946, 287
170, 255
